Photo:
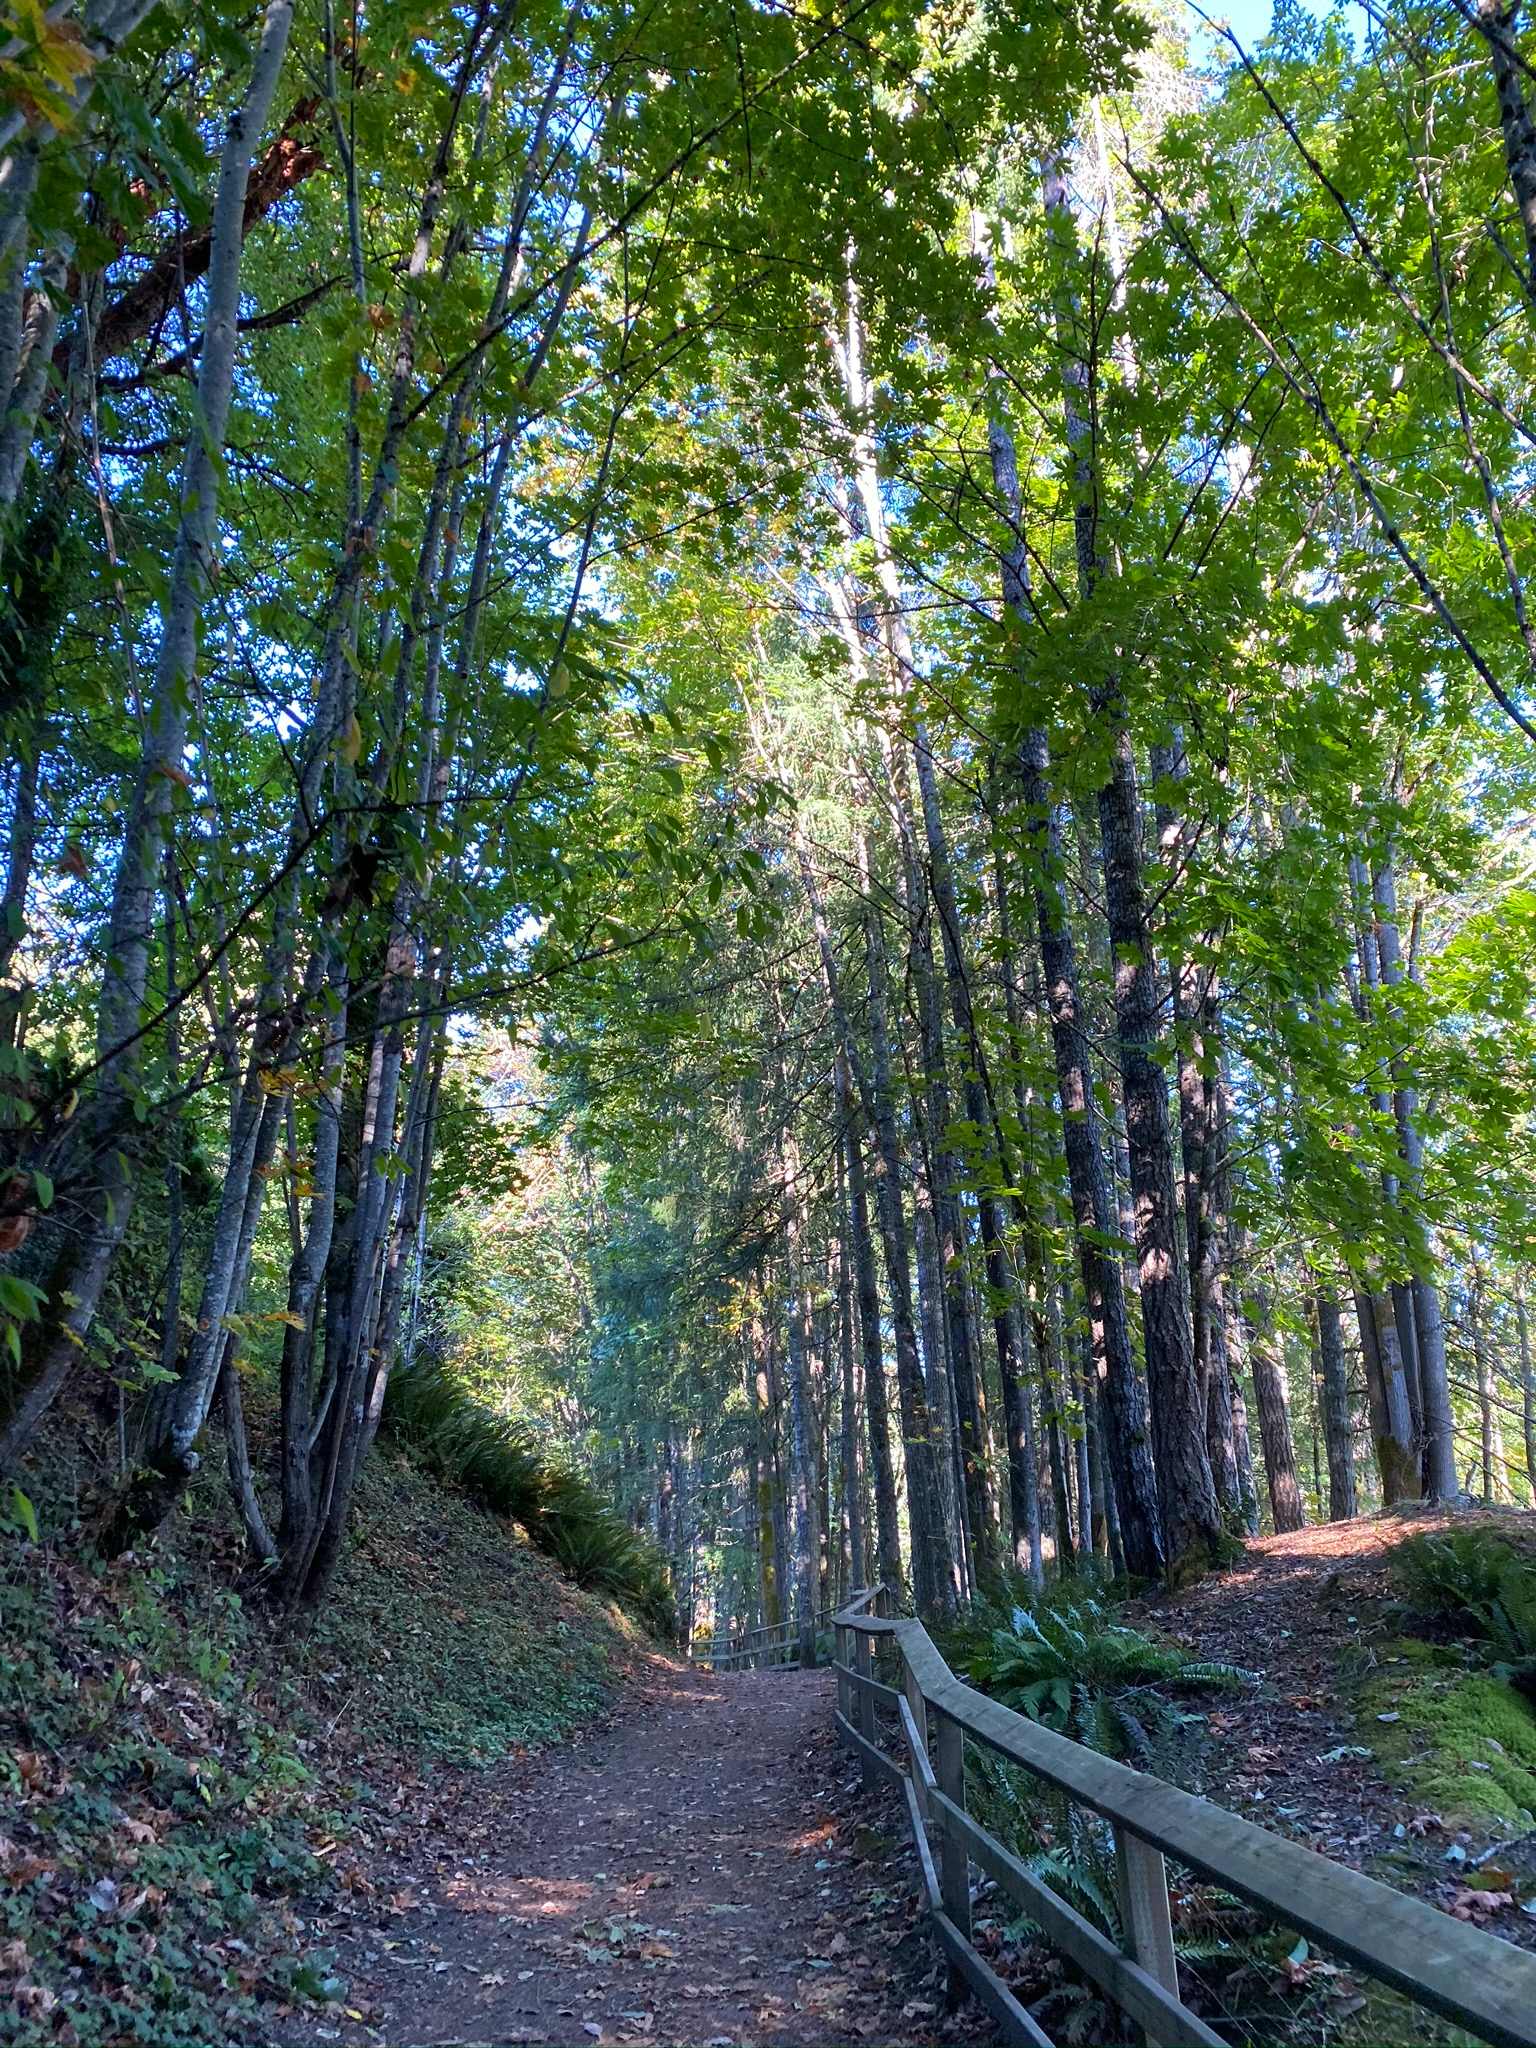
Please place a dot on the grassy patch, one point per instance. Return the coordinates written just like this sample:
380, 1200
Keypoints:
450, 1634
1463, 1742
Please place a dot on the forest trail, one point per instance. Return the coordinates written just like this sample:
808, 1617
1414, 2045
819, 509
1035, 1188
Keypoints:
703, 1870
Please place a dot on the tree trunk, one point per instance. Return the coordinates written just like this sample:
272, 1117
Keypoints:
763, 1457
852, 1478
969, 1401
161, 773
876, 1408
1528, 1389
1496, 19
932, 1566
1269, 1386
801, 1484
1426, 1318
1191, 1519
1490, 1435
1337, 1427
1127, 1437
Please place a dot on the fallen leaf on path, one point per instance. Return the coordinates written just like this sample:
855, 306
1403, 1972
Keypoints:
1473, 1905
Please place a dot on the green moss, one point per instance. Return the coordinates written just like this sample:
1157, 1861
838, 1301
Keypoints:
1463, 1742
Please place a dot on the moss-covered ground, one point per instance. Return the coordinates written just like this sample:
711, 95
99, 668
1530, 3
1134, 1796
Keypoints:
1462, 1742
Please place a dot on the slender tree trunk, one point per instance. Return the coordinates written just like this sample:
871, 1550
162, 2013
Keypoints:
876, 1409
241, 1478
1337, 1427
1426, 1317
763, 1458
1237, 1369
1385, 1396
1490, 1434
933, 1579
103, 1125
1390, 1316
802, 1490
1496, 19
1269, 1385
853, 1483
1023, 1458
933, 1573
1191, 1518
802, 1477
969, 1399
1528, 1389
1128, 1439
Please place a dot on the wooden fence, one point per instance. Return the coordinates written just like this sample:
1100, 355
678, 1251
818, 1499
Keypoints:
779, 1643
1483, 1984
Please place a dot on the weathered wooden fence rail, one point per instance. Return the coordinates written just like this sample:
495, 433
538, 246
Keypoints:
779, 1643
1483, 1984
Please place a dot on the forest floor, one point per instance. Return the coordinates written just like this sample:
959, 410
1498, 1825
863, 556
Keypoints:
1332, 1746
702, 1869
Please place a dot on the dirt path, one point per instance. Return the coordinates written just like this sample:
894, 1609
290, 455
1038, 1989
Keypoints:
705, 1871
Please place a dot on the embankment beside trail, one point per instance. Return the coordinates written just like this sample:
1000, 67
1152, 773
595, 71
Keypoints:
190, 1807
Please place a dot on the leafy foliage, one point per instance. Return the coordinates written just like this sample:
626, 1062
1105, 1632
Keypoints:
1073, 1668
161, 1815
1481, 1582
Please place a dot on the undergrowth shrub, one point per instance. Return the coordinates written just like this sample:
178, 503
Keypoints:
1482, 1583
500, 1463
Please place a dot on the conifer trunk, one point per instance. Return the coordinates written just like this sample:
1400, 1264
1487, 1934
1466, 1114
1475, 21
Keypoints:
1268, 1362
1190, 1516
1128, 1438
1337, 1427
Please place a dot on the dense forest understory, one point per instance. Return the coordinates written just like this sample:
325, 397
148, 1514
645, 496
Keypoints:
770, 806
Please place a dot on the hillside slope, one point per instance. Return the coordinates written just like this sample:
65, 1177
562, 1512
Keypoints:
183, 1799
1374, 1735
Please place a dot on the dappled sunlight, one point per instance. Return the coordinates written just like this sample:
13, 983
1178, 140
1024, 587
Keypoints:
531, 1898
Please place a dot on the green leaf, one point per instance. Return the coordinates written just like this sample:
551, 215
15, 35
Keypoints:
22, 1511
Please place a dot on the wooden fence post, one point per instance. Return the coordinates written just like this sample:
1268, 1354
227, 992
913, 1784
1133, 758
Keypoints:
866, 1663
954, 1862
843, 1685
1142, 1879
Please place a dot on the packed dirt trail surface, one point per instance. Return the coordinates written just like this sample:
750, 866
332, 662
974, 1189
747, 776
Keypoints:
705, 1870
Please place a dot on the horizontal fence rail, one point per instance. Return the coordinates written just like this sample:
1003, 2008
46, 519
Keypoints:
778, 1643
1482, 1983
